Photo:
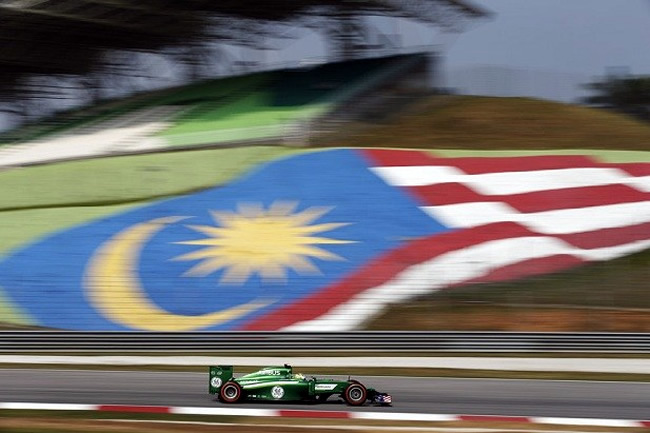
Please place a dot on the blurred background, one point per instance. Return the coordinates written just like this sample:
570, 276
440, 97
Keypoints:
112, 106
58, 55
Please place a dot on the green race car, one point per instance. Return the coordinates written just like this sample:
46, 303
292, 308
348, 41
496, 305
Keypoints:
281, 384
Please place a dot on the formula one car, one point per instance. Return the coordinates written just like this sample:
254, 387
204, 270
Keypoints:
281, 384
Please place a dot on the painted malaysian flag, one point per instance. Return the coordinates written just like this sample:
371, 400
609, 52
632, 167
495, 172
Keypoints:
324, 240
508, 218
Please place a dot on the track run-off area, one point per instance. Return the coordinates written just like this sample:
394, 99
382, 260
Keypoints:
435, 398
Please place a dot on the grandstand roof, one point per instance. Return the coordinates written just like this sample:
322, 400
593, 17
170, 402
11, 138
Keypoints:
69, 36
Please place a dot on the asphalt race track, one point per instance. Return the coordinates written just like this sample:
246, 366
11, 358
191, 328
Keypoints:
616, 400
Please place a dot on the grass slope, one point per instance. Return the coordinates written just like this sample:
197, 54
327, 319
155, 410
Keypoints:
38, 200
118, 180
466, 122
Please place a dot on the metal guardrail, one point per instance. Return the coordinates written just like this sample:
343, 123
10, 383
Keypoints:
362, 341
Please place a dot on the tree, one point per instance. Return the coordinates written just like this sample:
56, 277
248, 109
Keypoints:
629, 95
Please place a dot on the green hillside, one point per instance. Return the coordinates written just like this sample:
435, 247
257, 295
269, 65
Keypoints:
611, 296
486, 123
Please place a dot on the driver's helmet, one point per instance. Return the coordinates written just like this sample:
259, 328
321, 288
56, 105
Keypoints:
298, 376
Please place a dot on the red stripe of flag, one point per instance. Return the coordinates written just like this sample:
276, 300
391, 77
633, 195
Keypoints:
539, 201
608, 237
447, 193
398, 158
477, 165
633, 168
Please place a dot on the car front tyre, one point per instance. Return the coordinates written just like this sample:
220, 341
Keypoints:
355, 394
230, 392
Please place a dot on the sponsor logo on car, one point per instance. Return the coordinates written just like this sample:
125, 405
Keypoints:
270, 372
216, 382
277, 392
325, 386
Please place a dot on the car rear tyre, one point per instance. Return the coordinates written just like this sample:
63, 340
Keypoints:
355, 394
230, 392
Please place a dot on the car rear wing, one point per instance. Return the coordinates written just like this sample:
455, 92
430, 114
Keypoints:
219, 374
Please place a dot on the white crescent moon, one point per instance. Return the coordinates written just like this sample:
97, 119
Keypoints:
114, 288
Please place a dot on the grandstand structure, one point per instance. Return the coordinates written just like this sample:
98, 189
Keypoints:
284, 106
51, 46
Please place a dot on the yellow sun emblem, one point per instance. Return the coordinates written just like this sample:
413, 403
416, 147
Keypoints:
267, 242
